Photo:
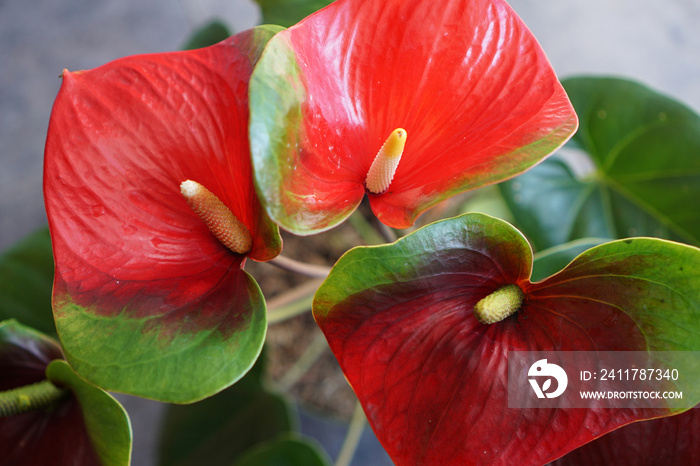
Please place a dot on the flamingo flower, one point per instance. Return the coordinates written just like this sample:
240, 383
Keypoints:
74, 425
407, 101
152, 213
424, 330
668, 440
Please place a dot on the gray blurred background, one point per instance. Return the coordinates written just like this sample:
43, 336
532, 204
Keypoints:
654, 42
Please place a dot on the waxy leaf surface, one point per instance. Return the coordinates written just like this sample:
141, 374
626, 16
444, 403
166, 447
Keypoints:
26, 277
219, 430
88, 427
288, 12
635, 170
146, 300
466, 79
285, 451
433, 380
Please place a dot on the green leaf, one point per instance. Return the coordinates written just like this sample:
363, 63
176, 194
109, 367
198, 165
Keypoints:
219, 429
554, 259
487, 200
26, 276
209, 34
289, 451
632, 169
288, 12
106, 421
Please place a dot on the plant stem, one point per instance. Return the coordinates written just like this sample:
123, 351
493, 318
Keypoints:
365, 229
352, 437
30, 398
293, 302
388, 234
302, 268
315, 349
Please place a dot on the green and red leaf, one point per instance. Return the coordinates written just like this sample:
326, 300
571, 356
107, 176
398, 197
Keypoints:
146, 299
433, 380
466, 80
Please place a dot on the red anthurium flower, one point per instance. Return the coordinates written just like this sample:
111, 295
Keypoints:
152, 212
409, 101
74, 425
423, 327
669, 440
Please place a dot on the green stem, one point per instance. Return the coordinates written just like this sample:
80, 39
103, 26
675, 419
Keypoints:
316, 348
291, 265
293, 302
32, 397
352, 437
365, 229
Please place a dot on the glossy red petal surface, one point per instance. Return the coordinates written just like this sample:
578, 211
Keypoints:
122, 137
465, 78
667, 441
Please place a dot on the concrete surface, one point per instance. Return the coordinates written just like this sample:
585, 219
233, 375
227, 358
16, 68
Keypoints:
654, 42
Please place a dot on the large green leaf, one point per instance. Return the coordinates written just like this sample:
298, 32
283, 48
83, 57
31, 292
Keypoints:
645, 154
552, 260
433, 379
26, 276
218, 430
284, 451
288, 12
209, 34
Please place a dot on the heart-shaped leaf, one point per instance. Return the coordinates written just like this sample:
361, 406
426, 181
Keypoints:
26, 276
433, 380
284, 451
464, 83
637, 172
552, 260
85, 428
209, 34
218, 430
288, 12
147, 300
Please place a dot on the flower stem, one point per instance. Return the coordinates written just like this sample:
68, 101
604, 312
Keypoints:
291, 265
363, 226
292, 302
314, 351
352, 437
32, 397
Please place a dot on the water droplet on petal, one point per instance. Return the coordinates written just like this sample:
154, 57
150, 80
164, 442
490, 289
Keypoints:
128, 229
98, 210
